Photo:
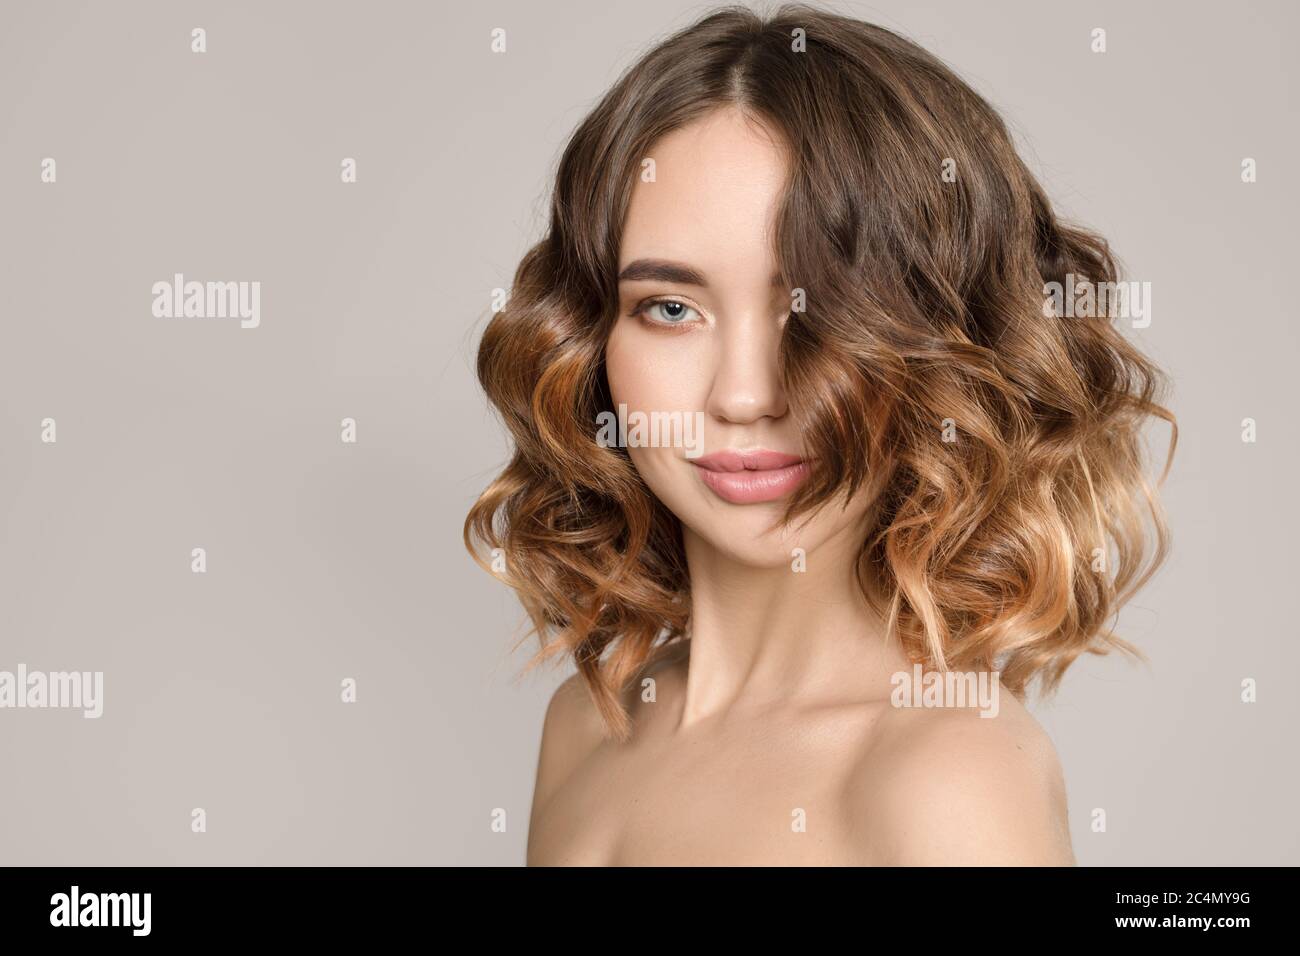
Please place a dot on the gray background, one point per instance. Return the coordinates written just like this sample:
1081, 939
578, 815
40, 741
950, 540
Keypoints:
328, 560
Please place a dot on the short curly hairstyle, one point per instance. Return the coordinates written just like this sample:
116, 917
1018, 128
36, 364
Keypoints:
924, 247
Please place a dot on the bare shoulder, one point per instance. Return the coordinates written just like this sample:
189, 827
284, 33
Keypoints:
949, 787
573, 728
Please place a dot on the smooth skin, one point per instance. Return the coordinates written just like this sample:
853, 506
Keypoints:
770, 737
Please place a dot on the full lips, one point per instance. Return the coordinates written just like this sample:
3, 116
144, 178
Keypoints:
751, 477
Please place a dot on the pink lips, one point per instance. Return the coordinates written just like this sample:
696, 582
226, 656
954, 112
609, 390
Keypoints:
749, 477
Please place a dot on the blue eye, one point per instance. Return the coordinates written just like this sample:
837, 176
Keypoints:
671, 312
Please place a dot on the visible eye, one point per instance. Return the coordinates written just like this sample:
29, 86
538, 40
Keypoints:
665, 312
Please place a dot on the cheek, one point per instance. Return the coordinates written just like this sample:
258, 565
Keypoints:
650, 371
621, 370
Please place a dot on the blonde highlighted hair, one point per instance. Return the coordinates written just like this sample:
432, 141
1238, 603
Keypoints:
1010, 548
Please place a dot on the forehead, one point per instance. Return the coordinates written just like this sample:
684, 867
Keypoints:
716, 189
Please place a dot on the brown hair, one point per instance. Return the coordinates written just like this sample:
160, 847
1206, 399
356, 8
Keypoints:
1009, 548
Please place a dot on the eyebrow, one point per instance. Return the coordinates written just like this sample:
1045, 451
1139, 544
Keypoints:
664, 270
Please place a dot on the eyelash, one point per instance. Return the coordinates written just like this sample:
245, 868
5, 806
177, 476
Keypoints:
647, 304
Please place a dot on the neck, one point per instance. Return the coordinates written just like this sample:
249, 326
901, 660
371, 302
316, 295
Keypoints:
776, 637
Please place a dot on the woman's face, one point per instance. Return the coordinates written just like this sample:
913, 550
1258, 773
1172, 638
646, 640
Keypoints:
705, 340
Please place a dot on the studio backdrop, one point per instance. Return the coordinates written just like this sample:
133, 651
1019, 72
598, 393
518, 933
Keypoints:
240, 522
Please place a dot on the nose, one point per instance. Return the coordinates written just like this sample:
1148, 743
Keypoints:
746, 380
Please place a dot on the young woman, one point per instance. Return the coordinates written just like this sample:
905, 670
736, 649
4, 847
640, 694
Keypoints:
807, 233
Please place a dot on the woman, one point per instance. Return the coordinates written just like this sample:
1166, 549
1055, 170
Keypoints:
809, 234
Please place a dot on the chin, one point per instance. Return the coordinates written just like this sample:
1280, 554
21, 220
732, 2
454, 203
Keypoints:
752, 535
749, 547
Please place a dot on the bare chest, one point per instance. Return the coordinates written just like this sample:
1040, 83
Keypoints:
769, 799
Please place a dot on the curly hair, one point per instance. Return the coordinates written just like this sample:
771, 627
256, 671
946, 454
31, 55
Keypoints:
1004, 442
